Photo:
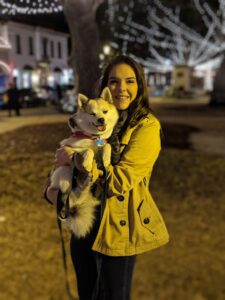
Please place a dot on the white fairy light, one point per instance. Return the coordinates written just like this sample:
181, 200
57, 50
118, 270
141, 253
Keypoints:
168, 37
199, 7
111, 11
212, 14
30, 7
114, 45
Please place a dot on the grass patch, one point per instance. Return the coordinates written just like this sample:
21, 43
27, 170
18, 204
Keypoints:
187, 187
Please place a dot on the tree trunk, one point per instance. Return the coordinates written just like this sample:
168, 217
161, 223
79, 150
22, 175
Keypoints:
218, 93
80, 15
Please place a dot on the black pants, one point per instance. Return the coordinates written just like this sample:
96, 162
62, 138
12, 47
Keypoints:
115, 272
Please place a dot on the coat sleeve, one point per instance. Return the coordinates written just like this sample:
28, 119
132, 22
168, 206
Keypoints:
137, 160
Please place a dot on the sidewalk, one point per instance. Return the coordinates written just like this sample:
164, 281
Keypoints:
210, 139
50, 114
201, 100
30, 116
210, 122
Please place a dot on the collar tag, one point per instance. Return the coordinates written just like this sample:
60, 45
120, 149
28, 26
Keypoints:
100, 142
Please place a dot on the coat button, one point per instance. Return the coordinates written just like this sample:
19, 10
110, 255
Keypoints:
146, 220
120, 198
122, 222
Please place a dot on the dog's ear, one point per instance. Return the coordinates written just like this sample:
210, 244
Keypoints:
106, 94
81, 100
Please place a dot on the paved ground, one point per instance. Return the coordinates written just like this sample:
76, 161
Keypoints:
30, 116
31, 267
210, 122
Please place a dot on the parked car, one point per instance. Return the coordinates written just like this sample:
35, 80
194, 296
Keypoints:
42, 96
33, 98
67, 103
47, 94
157, 91
27, 98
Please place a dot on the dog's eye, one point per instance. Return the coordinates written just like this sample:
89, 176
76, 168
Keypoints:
105, 111
92, 114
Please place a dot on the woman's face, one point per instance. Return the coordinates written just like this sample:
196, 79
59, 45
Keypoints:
123, 85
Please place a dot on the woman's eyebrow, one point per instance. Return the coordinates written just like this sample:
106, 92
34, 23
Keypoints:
112, 77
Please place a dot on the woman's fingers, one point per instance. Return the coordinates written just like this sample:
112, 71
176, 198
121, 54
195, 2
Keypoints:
52, 195
62, 157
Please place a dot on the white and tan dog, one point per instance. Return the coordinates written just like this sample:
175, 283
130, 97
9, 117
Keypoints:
91, 125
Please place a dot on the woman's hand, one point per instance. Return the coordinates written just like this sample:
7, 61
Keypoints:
63, 156
52, 194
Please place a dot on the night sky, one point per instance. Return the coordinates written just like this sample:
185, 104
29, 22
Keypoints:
55, 21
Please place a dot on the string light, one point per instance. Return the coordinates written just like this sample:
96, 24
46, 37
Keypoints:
164, 35
31, 7
168, 37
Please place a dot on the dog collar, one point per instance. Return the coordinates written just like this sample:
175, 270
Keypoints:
80, 134
97, 139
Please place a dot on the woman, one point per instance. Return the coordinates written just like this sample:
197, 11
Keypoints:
130, 223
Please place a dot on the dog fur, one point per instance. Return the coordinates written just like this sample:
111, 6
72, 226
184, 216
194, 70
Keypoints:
95, 118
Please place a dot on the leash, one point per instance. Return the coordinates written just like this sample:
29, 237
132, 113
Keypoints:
98, 257
63, 212
59, 208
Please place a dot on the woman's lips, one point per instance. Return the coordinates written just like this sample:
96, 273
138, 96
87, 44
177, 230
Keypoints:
122, 97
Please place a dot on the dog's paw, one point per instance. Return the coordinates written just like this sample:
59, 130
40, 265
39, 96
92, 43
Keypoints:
88, 157
61, 179
106, 155
65, 186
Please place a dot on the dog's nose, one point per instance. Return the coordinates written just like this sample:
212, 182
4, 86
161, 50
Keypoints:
101, 120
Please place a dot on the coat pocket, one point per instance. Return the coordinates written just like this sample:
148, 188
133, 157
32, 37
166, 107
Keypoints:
144, 211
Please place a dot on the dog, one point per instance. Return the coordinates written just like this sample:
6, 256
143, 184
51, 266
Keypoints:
91, 126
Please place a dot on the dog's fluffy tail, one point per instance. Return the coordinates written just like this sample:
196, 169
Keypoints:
82, 215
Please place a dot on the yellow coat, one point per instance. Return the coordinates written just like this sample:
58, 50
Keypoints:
131, 222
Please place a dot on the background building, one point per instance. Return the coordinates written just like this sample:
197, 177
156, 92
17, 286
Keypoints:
5, 48
35, 56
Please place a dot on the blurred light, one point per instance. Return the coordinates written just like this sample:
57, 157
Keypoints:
26, 80
101, 56
66, 76
35, 78
51, 79
5, 66
106, 49
185, 45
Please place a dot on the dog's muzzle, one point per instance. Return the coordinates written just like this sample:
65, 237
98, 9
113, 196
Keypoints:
101, 126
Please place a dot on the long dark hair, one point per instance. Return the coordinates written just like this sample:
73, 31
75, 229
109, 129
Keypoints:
140, 106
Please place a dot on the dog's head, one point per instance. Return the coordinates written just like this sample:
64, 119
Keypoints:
95, 116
